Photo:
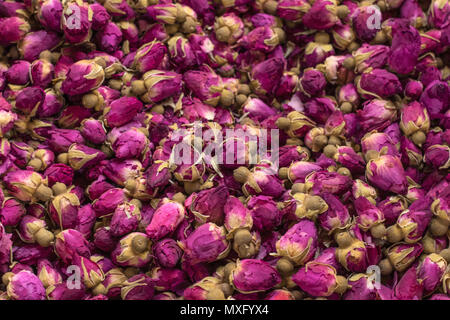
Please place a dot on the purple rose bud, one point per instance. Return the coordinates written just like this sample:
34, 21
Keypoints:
350, 159
337, 215
109, 38
368, 214
133, 250
409, 287
413, 118
413, 89
125, 219
316, 279
29, 99
364, 30
257, 109
438, 14
5, 246
18, 72
100, 17
150, 56
34, 43
392, 207
264, 211
161, 85
108, 202
237, 216
11, 211
292, 10
181, 52
158, 174
266, 75
374, 56
299, 243
30, 254
208, 205
80, 156
402, 255
437, 156
93, 131
387, 173
354, 256
122, 111
431, 270
316, 53
204, 84
49, 14
378, 83
321, 16
312, 83
436, 97
343, 35
320, 109
259, 182
405, 48
91, 273
82, 77
41, 73
61, 291
206, 244
25, 285
12, 30
138, 287
251, 275
48, 274
27, 185
77, 30
167, 253
377, 141
70, 243
263, 39
120, 171
361, 288
52, 104
324, 181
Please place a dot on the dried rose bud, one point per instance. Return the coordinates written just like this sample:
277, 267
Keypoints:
149, 56
80, 156
437, 156
392, 207
208, 205
48, 274
258, 182
29, 99
77, 30
370, 56
13, 29
11, 211
361, 287
109, 38
337, 215
312, 83
402, 255
228, 28
298, 245
18, 73
409, 286
369, 217
49, 14
36, 42
64, 291
207, 288
91, 273
292, 10
167, 253
160, 85
69, 243
265, 213
378, 83
166, 219
93, 130
131, 144
266, 75
169, 279
251, 275
82, 77
413, 89
308, 206
122, 111
237, 216
343, 36
352, 253
257, 109
438, 13
319, 279
204, 84
435, 98
360, 18
32, 230
125, 219
133, 250
41, 73
263, 38
431, 270
378, 141
362, 189
411, 225
414, 120
206, 244
108, 201
324, 181
27, 186
25, 285
138, 287
387, 173
120, 171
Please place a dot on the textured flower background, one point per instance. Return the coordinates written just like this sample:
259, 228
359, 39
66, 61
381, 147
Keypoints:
348, 200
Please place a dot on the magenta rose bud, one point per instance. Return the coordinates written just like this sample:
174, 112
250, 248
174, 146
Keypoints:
150, 56
430, 271
130, 144
109, 38
374, 56
29, 99
413, 89
264, 211
292, 10
80, 156
350, 159
161, 85
259, 182
205, 84
104, 240
208, 205
69, 243
138, 287
93, 131
108, 201
237, 216
364, 30
52, 104
100, 16
207, 243
11, 211
125, 219
392, 207
299, 243
337, 215
312, 83
438, 14
91, 273
251, 275
12, 30
387, 173
82, 77
48, 274
438, 156
403, 255
27, 185
41, 73
77, 22
266, 75
228, 28
324, 181
122, 111
378, 83
263, 39
49, 14
436, 98
25, 285
167, 253
18, 73
321, 16
405, 48
257, 109
414, 118
35, 42
120, 171
133, 250
316, 279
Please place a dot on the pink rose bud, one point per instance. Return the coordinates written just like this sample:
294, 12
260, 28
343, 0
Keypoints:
100, 16
265, 213
108, 202
360, 18
435, 98
138, 287
324, 181
260, 181
317, 279
133, 250
27, 186
125, 219
119, 171
91, 273
387, 173
122, 111
438, 13
409, 287
150, 56
251, 275
41, 73
59, 172
299, 243
11, 211
228, 28
181, 52
25, 285
69, 243
413, 223
29, 99
378, 83
61, 291
18, 73
392, 207
402, 255
167, 253
257, 109
321, 16
206, 244
80, 156
131, 144
377, 141
370, 56
405, 48
312, 83
48, 274
82, 77
263, 38
320, 109
237, 216
30, 254
413, 89
316, 53
349, 93
369, 216
77, 29
166, 219
431, 270
49, 14
204, 84
158, 174
60, 140
93, 130
266, 75
34, 43
109, 38
352, 253
5, 246
337, 215
13, 29
169, 280
33, 230
161, 85
362, 287
343, 35
208, 205
63, 209
414, 120
437, 156
104, 240
292, 10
